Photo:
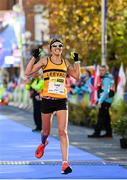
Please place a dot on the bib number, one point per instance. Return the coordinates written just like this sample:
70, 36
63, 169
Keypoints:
56, 85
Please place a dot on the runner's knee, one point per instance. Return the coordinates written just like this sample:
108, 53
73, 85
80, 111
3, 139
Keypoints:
62, 133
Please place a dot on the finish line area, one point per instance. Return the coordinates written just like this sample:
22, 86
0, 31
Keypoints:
59, 179
17, 157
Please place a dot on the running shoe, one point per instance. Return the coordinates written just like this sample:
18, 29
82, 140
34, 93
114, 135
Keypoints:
66, 169
40, 150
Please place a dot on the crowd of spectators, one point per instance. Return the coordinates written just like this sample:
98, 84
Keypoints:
82, 87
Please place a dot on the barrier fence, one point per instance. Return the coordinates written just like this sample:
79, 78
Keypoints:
20, 98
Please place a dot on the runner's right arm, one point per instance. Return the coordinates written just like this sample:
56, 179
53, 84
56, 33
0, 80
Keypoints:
32, 67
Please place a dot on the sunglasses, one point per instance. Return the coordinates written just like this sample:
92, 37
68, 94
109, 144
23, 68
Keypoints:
58, 46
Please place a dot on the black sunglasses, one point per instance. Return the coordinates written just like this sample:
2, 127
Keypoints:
59, 46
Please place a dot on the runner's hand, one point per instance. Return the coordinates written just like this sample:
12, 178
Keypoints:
74, 56
35, 53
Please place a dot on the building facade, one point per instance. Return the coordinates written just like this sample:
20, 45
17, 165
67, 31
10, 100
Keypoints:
35, 11
36, 25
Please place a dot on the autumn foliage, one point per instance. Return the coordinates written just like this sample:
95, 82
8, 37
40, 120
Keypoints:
78, 23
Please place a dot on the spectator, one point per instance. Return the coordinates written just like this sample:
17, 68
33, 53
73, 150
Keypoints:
34, 86
105, 98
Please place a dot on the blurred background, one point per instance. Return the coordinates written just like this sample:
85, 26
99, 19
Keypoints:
23, 24
97, 30
27, 23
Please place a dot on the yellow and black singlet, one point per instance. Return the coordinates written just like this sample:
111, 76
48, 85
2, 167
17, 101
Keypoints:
54, 80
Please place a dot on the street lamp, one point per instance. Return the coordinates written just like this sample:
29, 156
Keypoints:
104, 33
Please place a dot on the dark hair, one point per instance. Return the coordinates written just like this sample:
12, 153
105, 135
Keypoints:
55, 40
89, 73
105, 67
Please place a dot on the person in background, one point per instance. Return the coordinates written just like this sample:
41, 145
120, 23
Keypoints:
35, 85
54, 95
105, 97
2, 91
85, 87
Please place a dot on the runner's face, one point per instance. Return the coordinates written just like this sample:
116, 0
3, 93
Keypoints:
57, 48
102, 71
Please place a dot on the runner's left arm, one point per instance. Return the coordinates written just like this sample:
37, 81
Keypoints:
73, 70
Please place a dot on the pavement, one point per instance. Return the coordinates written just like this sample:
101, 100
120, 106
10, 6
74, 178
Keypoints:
107, 148
99, 158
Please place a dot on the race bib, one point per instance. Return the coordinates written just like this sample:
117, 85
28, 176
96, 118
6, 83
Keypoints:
56, 85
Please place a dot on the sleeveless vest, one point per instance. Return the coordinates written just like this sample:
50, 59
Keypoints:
54, 80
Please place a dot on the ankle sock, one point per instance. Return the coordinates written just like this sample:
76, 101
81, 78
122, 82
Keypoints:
43, 139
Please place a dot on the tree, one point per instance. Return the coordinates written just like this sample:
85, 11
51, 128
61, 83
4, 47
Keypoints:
78, 23
117, 32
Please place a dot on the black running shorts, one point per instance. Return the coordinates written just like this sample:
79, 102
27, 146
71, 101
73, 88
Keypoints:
51, 105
